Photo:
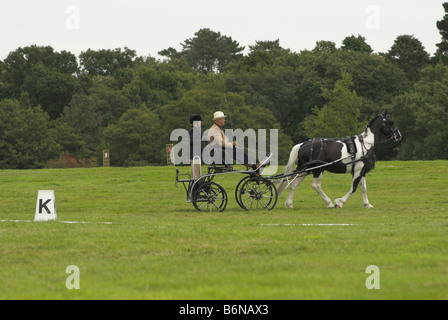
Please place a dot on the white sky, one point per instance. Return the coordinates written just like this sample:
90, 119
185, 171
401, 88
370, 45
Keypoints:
149, 26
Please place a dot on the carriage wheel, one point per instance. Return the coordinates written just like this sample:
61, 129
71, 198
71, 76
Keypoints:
238, 188
257, 193
210, 197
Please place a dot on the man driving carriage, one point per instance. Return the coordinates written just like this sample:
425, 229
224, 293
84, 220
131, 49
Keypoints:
219, 141
252, 191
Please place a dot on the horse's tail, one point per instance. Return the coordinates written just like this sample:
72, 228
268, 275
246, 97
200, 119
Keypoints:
292, 163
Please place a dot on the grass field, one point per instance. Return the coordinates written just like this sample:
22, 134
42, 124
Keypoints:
158, 247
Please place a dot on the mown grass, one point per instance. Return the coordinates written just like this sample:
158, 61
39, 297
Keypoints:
158, 247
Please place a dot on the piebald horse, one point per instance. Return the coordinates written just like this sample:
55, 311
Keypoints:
355, 155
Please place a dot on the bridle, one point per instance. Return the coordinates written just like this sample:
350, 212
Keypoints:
393, 134
396, 134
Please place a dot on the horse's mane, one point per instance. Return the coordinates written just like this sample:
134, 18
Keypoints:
370, 124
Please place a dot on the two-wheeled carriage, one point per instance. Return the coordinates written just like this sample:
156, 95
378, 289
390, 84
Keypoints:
252, 192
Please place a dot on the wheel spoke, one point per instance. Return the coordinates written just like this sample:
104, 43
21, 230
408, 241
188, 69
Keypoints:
264, 203
257, 193
209, 196
204, 203
216, 206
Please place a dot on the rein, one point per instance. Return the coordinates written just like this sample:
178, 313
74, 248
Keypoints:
387, 140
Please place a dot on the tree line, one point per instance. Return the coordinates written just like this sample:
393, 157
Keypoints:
57, 109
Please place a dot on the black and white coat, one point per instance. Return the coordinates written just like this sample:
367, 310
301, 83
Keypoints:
336, 152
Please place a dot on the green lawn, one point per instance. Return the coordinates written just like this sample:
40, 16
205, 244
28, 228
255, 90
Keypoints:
158, 247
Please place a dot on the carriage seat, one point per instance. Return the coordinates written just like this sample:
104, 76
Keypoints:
220, 167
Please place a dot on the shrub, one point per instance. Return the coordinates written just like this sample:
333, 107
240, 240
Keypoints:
69, 161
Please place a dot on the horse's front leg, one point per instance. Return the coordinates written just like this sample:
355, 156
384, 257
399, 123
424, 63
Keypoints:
339, 203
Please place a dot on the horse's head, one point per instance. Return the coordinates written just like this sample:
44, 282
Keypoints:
382, 124
388, 128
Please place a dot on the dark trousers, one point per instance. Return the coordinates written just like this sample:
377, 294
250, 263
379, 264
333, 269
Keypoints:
238, 154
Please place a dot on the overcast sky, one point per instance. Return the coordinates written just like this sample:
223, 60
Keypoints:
149, 26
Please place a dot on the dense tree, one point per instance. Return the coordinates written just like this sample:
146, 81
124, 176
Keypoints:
358, 43
340, 116
135, 140
46, 75
71, 142
108, 62
263, 53
422, 116
325, 47
50, 89
85, 120
373, 77
292, 84
409, 54
208, 51
110, 103
442, 25
27, 140
157, 84
267, 78
19, 63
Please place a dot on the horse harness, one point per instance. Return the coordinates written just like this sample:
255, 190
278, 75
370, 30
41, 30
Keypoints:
349, 141
368, 155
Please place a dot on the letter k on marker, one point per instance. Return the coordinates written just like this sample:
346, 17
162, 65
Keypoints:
44, 205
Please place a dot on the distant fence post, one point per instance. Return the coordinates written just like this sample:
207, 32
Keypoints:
106, 158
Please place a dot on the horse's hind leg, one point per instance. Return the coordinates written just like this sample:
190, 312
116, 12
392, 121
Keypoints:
317, 186
363, 186
294, 186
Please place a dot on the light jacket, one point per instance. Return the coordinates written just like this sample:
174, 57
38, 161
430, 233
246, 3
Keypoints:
217, 137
